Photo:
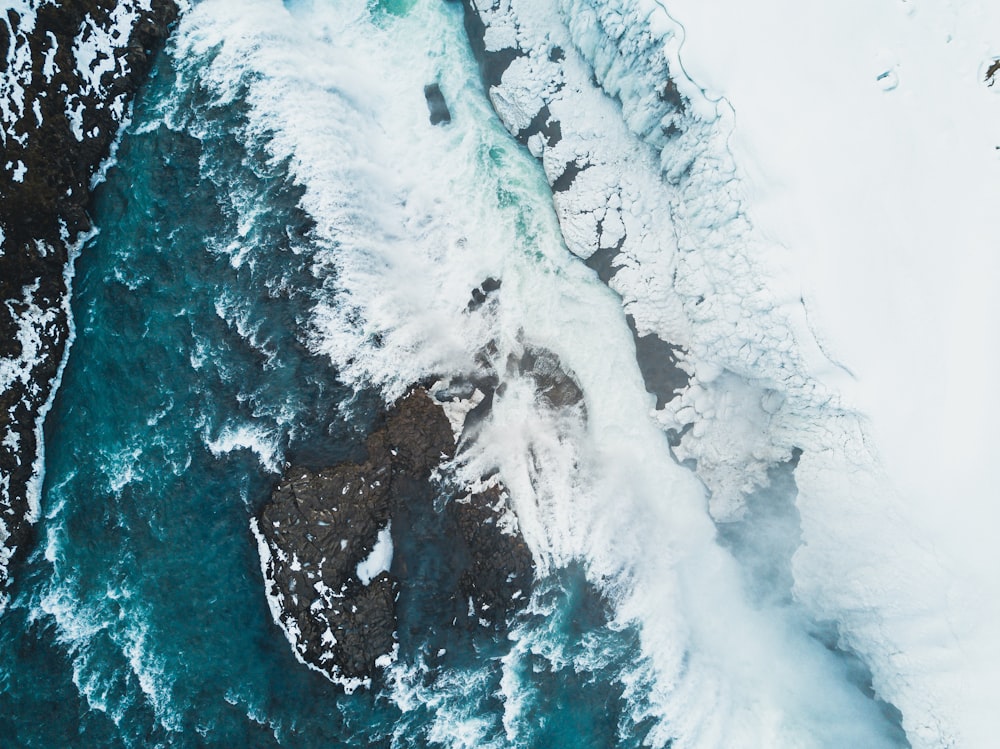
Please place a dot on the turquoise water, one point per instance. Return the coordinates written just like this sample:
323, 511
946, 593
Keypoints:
140, 618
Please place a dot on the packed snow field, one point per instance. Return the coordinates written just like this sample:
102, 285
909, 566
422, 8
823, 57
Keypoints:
789, 551
879, 171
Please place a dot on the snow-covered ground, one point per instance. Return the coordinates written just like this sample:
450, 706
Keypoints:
867, 142
800, 197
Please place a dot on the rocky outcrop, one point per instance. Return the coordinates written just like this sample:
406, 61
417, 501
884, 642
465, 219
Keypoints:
319, 528
992, 72
555, 386
70, 70
326, 543
500, 576
436, 105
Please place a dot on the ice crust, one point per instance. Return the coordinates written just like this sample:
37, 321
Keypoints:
690, 269
886, 199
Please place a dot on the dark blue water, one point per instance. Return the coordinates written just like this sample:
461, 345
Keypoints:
140, 619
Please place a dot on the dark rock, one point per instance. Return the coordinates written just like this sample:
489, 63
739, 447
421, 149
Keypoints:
670, 94
500, 577
991, 73
491, 284
602, 261
365, 629
436, 104
320, 525
565, 180
659, 364
492, 63
542, 123
555, 385
479, 295
476, 416
417, 435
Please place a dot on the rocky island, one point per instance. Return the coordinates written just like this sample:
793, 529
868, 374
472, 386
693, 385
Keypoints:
325, 540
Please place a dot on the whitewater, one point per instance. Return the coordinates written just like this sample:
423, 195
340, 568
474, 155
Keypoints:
733, 568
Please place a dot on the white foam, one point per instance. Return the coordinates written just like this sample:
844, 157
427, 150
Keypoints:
30, 350
454, 701
87, 629
261, 440
32, 320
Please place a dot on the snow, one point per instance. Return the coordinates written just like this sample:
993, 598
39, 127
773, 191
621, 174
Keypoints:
74, 111
380, 558
17, 68
456, 408
32, 321
49, 63
95, 44
866, 141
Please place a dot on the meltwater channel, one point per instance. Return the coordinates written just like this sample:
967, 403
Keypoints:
285, 241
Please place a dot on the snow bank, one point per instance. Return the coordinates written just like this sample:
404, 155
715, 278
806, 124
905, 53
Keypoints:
868, 142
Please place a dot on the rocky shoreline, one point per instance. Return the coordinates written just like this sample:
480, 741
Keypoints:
72, 70
326, 540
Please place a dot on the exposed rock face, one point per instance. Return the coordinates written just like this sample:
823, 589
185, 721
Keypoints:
436, 104
501, 573
319, 528
70, 70
326, 547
